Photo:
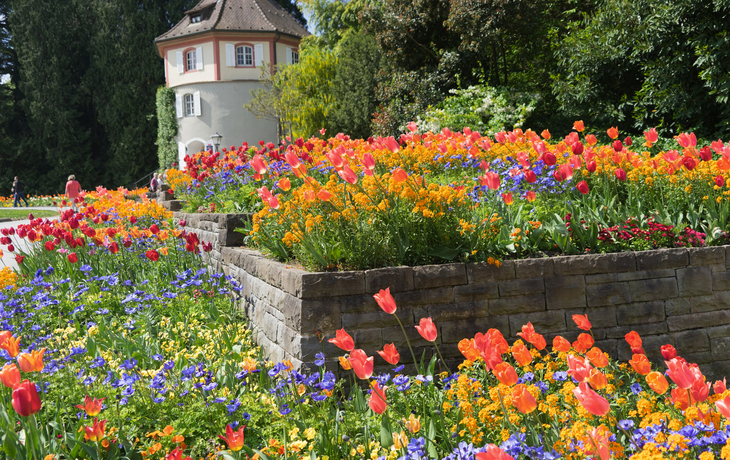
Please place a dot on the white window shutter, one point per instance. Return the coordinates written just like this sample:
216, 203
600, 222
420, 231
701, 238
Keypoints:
196, 100
230, 55
199, 58
180, 62
258, 54
179, 105
288, 56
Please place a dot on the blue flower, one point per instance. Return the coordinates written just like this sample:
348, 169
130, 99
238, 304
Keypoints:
319, 359
636, 388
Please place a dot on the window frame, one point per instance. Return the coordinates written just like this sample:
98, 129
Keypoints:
253, 54
294, 55
188, 102
187, 60
196, 19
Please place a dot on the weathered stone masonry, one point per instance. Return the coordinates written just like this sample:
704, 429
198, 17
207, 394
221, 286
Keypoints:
677, 296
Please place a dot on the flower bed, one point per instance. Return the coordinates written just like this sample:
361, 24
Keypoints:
432, 198
118, 343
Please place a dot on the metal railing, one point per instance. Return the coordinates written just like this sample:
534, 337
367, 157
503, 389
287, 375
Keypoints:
148, 177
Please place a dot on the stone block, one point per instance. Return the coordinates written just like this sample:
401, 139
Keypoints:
692, 341
375, 319
526, 286
291, 281
721, 281
716, 301
483, 273
313, 315
642, 329
398, 279
720, 370
544, 322
458, 311
563, 292
698, 320
601, 278
653, 343
229, 256
394, 335
712, 255
454, 331
534, 268
719, 331
332, 284
720, 348
694, 281
476, 292
638, 313
432, 276
362, 303
662, 258
603, 317
677, 306
595, 263
599, 295
646, 274
517, 304
653, 289
422, 297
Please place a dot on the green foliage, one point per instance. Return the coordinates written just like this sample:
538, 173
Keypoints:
166, 126
657, 62
482, 108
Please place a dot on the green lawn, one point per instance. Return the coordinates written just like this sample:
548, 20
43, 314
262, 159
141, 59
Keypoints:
17, 214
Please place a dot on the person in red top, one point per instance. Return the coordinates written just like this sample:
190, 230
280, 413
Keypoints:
73, 189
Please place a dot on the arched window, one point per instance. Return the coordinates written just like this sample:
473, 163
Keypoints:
244, 56
190, 60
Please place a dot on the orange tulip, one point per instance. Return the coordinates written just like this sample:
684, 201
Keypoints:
612, 132
584, 342
597, 379
507, 198
413, 423
427, 329
579, 126
324, 195
634, 341
399, 175
345, 363
468, 349
95, 432
31, 362
530, 196
657, 382
521, 354
680, 398
528, 333
11, 345
597, 357
590, 400
378, 401
597, 443
560, 344
641, 364
523, 399
91, 406
582, 322
10, 375
545, 134
386, 301
591, 139
390, 354
285, 185
234, 439
343, 340
362, 364
505, 373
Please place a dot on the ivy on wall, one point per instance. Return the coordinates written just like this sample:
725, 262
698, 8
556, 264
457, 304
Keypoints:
166, 127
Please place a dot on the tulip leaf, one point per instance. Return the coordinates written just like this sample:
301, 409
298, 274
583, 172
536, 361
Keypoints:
431, 365
9, 444
225, 455
431, 435
444, 252
386, 432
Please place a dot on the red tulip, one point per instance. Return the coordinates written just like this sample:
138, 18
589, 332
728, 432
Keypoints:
72, 257
18, 258
490, 179
719, 181
505, 373
378, 401
628, 141
26, 401
620, 174
530, 176
113, 248
686, 140
723, 406
91, 406
176, 454
390, 354
536, 340
680, 373
95, 433
590, 400
668, 352
49, 246
577, 148
719, 387
10, 375
530, 196
706, 153
651, 136
561, 344
343, 340
582, 322
549, 159
634, 341
689, 163
427, 329
153, 255
523, 399
361, 364
617, 145
493, 451
657, 382
386, 301
582, 187
234, 439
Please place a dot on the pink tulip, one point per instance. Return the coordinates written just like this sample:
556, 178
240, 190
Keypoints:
427, 329
680, 373
493, 453
361, 364
723, 406
590, 400
258, 164
386, 301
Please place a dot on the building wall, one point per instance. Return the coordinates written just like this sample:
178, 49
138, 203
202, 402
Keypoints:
244, 73
209, 64
222, 111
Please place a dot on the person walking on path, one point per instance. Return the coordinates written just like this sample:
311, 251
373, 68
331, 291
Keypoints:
18, 192
73, 190
153, 183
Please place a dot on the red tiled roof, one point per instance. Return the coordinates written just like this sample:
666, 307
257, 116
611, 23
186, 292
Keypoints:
238, 16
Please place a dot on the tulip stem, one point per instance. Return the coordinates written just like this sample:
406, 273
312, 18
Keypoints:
442, 358
415, 362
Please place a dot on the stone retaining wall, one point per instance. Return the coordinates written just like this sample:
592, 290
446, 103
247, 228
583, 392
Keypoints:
217, 229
